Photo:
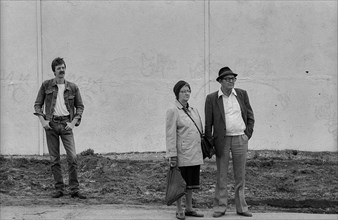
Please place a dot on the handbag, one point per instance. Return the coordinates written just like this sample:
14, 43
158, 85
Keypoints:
176, 186
207, 149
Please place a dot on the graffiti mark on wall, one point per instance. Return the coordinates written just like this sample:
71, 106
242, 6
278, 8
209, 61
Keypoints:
198, 70
255, 66
149, 64
17, 85
92, 89
284, 100
159, 64
328, 112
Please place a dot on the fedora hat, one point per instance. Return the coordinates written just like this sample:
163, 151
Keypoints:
224, 72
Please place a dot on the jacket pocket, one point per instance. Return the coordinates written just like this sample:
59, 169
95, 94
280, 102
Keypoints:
71, 100
49, 91
49, 95
185, 145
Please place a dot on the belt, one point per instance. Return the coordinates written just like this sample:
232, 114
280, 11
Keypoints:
60, 118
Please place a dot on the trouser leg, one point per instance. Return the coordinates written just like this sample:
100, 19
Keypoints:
53, 144
239, 150
221, 191
69, 144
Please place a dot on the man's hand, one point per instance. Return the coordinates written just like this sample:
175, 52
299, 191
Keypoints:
69, 126
45, 124
173, 161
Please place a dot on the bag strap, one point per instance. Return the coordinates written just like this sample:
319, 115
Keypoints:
191, 118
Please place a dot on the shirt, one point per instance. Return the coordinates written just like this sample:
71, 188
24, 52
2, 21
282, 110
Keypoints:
233, 117
46, 100
60, 107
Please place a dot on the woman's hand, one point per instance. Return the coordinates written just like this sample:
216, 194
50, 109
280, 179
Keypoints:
173, 161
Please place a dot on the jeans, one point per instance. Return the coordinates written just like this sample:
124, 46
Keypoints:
238, 145
53, 141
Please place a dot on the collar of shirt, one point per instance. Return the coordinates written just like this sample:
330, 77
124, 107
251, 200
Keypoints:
66, 84
220, 93
179, 106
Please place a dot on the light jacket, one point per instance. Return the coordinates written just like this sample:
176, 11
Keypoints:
182, 137
47, 97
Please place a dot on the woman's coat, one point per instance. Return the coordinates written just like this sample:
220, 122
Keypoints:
182, 137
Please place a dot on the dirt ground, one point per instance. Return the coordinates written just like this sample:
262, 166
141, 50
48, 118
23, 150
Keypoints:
289, 180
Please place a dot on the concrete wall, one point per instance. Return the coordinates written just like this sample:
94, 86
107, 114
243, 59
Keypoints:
19, 77
127, 55
286, 55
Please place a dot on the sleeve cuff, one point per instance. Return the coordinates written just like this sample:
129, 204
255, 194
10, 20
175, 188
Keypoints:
171, 154
39, 114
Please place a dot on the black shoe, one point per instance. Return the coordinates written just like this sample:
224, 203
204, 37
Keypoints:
246, 214
57, 194
78, 195
193, 214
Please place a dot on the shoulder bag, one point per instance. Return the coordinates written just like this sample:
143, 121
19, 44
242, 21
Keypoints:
207, 148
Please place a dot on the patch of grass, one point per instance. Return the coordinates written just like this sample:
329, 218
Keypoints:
256, 155
88, 152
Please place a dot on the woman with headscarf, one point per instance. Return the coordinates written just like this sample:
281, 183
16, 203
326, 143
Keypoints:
183, 143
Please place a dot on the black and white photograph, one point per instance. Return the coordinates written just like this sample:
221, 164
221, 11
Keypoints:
168, 109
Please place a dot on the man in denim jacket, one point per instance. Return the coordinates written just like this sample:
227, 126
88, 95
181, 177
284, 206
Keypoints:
63, 110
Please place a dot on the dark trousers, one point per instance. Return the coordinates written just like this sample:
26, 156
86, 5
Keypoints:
53, 141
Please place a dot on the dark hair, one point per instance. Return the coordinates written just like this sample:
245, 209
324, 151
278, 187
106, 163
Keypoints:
57, 61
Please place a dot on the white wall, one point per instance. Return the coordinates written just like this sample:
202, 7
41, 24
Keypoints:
19, 77
286, 55
127, 55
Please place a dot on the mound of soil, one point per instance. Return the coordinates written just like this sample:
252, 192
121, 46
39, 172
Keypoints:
275, 181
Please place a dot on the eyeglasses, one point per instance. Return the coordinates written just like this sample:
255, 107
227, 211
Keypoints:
185, 91
230, 79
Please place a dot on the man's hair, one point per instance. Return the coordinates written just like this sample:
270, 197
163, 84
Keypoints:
57, 61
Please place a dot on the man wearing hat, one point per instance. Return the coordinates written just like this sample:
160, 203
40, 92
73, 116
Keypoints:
229, 123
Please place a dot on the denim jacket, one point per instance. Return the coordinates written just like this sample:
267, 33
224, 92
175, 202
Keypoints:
47, 97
